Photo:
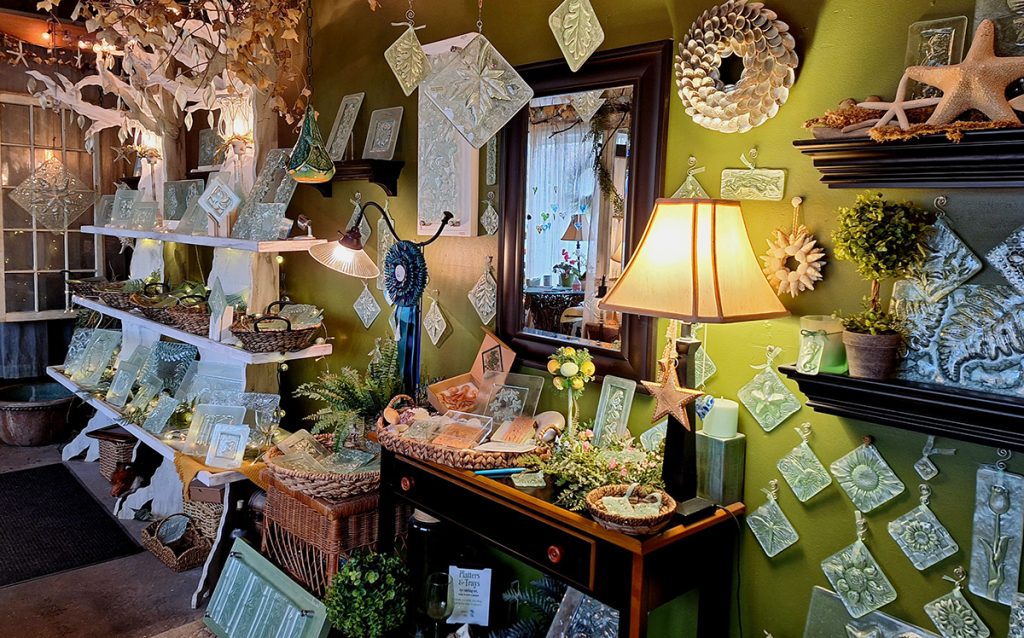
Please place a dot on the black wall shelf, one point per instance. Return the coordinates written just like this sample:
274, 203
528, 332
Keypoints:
982, 159
384, 173
986, 419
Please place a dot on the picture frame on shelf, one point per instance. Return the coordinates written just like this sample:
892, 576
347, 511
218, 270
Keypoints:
121, 211
227, 446
344, 122
382, 135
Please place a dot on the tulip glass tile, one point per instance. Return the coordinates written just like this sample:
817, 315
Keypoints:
948, 263
804, 472
771, 528
955, 618
768, 399
366, 307
866, 478
407, 60
998, 527
577, 31
858, 579
922, 537
53, 195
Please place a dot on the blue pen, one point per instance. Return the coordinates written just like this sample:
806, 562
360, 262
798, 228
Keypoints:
502, 472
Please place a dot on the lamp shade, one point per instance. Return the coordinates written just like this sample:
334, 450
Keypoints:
578, 229
695, 263
348, 261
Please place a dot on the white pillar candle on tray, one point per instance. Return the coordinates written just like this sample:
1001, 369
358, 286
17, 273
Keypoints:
722, 421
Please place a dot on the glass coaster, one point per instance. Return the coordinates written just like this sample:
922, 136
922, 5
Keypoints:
802, 470
866, 478
921, 535
768, 399
858, 579
770, 526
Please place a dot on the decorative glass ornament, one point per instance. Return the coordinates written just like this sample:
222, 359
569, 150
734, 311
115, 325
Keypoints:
587, 104
812, 349
767, 397
261, 222
157, 420
366, 307
857, 577
489, 219
924, 466
703, 366
1008, 259
921, 536
310, 163
948, 262
802, 470
219, 199
478, 91
491, 177
577, 31
769, 524
385, 240
407, 60
434, 322
691, 188
752, 183
998, 529
866, 478
405, 273
365, 230
484, 295
1017, 617
53, 196
953, 615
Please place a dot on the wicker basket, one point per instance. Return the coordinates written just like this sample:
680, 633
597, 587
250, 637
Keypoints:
637, 526
206, 517
188, 553
117, 300
84, 287
326, 485
255, 337
114, 452
191, 317
153, 304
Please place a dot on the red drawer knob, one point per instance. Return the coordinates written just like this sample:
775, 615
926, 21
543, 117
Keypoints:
555, 554
407, 483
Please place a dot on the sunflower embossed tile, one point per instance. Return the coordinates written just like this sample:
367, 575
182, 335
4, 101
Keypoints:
921, 536
857, 577
866, 478
952, 613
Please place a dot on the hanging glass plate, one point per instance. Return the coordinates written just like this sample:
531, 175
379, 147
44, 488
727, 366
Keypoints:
953, 615
866, 478
998, 528
434, 322
310, 163
484, 297
858, 579
366, 307
948, 263
921, 536
407, 60
53, 196
768, 399
802, 470
577, 31
769, 524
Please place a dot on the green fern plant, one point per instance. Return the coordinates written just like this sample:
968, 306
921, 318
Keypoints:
538, 603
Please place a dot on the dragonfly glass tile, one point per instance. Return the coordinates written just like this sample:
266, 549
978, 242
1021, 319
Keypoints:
866, 478
997, 532
802, 470
770, 526
921, 535
858, 579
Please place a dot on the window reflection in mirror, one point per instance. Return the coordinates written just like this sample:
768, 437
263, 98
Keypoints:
577, 181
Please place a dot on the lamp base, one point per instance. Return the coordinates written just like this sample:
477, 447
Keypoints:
694, 509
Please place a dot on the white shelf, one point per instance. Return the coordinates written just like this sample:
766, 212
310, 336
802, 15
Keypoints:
215, 347
147, 438
281, 246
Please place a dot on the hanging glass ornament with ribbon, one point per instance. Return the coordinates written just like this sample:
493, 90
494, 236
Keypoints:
857, 577
769, 524
802, 470
405, 56
310, 163
434, 323
952, 613
691, 188
921, 536
766, 396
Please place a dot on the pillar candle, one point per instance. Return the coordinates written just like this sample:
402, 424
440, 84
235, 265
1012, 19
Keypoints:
722, 421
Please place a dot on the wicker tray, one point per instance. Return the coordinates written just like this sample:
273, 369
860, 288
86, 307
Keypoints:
451, 457
257, 338
193, 548
326, 485
634, 526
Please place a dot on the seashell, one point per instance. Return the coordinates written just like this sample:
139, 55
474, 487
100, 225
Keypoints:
391, 416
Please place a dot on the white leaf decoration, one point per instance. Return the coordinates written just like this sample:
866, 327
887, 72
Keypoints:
188, 121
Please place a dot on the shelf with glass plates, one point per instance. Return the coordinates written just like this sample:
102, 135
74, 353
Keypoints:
296, 244
993, 420
147, 438
383, 173
214, 347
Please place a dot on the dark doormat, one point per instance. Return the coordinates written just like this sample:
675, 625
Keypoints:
50, 523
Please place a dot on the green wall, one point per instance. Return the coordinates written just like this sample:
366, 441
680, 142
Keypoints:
847, 48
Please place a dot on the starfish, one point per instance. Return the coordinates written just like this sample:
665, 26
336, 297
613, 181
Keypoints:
899, 106
19, 55
979, 82
671, 397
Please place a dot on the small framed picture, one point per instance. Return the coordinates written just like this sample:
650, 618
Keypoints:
344, 122
382, 136
227, 446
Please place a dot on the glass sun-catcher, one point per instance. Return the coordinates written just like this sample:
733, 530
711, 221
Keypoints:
998, 529
1017, 617
952, 613
924, 466
947, 263
577, 31
587, 104
766, 396
866, 478
434, 322
769, 524
53, 196
691, 188
921, 536
366, 306
802, 469
856, 576
752, 183
405, 56
490, 219
484, 295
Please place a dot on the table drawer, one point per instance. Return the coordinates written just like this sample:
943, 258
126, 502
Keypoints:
544, 543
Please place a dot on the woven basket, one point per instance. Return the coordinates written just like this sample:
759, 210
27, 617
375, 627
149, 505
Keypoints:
191, 317
256, 338
326, 485
206, 517
112, 453
82, 288
117, 300
637, 526
190, 552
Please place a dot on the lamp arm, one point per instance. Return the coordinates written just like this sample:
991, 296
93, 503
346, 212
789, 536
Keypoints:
391, 227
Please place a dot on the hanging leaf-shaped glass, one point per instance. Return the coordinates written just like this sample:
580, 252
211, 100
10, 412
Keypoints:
577, 31
767, 397
310, 163
484, 296
998, 528
587, 104
802, 470
953, 615
858, 579
769, 524
866, 478
407, 60
921, 536
385, 240
434, 322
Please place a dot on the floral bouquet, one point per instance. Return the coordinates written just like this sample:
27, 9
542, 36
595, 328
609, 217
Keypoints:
571, 369
568, 269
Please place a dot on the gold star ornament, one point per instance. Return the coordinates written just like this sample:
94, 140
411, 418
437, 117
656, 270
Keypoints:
979, 82
671, 397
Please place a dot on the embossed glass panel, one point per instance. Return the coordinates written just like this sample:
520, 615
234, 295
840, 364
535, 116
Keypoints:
517, 396
771, 528
344, 121
484, 297
587, 104
219, 199
261, 222
149, 387
54, 196
768, 399
948, 263
489, 219
434, 323
866, 478
934, 43
858, 580
144, 215
804, 473
922, 537
121, 212
407, 60
703, 366
996, 539
157, 420
1017, 617
478, 91
121, 385
97, 358
753, 184
169, 362
366, 307
1008, 259
104, 210
80, 340
204, 419
179, 196
273, 185
613, 408
382, 135
385, 240
577, 31
827, 618
955, 618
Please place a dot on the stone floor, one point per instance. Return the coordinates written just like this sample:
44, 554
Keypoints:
131, 597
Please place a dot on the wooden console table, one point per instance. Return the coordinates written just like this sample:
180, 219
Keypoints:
634, 575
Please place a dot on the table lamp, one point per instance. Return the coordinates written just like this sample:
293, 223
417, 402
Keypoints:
694, 263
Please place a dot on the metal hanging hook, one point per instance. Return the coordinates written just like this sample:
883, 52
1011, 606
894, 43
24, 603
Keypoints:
862, 525
1004, 456
926, 493
772, 491
958, 577
804, 430
940, 204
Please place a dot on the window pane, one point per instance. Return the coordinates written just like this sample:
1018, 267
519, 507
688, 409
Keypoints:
80, 164
45, 128
84, 220
15, 165
19, 293
50, 250
73, 137
14, 215
14, 123
18, 251
81, 251
51, 291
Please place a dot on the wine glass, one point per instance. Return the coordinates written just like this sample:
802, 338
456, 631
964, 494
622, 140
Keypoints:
439, 599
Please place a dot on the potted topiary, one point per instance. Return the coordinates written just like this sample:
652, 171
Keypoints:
368, 596
883, 239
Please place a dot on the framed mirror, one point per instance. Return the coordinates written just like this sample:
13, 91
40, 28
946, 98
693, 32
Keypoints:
581, 168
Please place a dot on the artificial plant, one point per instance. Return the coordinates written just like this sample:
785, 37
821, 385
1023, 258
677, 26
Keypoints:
537, 604
883, 239
367, 598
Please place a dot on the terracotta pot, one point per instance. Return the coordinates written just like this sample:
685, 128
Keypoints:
34, 413
872, 356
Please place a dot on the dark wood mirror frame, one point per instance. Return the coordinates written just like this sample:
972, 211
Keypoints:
646, 68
